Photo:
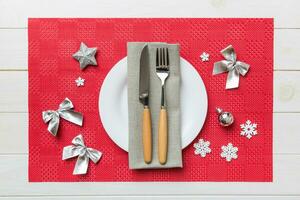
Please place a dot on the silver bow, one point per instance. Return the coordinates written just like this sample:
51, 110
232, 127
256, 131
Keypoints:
65, 111
232, 66
84, 154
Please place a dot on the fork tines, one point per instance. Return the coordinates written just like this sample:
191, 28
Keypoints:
162, 59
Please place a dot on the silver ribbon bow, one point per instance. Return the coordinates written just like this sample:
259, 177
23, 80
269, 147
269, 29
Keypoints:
65, 111
232, 66
84, 154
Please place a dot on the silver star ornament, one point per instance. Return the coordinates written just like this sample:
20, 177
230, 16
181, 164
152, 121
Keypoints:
85, 56
204, 57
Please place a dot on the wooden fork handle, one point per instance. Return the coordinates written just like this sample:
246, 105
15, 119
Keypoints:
147, 135
162, 136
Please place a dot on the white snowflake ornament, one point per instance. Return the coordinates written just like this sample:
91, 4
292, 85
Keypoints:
229, 152
202, 148
248, 129
85, 56
79, 82
204, 57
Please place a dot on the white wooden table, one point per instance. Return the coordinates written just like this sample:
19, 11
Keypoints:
13, 100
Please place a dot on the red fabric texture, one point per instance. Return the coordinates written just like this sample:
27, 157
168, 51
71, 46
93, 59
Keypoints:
52, 74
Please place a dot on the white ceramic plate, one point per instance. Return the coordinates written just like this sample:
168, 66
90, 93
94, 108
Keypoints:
113, 103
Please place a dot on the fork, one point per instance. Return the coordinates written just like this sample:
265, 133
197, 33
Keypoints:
162, 71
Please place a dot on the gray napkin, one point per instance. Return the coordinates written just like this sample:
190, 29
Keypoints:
135, 108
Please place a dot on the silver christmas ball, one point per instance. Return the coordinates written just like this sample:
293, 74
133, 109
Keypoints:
225, 118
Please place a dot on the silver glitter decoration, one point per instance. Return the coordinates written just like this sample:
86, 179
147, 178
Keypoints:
85, 56
231, 65
225, 118
84, 154
79, 82
204, 57
65, 111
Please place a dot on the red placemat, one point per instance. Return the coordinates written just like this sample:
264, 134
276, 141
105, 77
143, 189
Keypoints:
52, 72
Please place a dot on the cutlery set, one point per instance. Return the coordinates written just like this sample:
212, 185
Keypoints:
162, 71
152, 100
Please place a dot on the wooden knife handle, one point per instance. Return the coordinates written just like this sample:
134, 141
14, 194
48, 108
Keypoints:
162, 136
147, 135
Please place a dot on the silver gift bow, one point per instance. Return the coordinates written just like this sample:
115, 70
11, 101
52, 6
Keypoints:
84, 154
232, 66
65, 111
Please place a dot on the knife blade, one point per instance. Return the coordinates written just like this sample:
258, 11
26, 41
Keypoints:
144, 77
144, 97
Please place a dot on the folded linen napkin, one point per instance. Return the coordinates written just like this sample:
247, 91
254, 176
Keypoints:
135, 108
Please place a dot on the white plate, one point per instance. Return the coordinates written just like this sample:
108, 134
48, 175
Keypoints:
113, 103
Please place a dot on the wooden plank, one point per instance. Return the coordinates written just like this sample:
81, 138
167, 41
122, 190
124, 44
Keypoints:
13, 49
184, 197
14, 86
14, 13
13, 173
287, 49
286, 133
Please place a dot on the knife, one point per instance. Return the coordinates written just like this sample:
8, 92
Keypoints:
144, 99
